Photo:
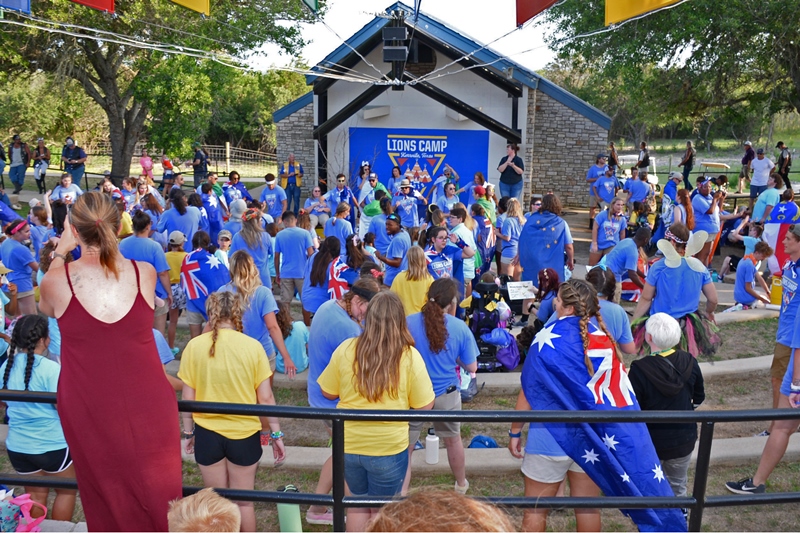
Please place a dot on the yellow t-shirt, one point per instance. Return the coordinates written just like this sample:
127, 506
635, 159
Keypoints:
413, 294
376, 438
175, 260
126, 226
238, 367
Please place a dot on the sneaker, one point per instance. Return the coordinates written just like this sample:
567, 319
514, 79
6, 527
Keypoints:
464, 489
175, 350
418, 445
521, 323
745, 486
320, 519
764, 433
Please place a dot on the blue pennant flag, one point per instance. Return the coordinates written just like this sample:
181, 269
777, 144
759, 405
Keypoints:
618, 457
201, 274
23, 6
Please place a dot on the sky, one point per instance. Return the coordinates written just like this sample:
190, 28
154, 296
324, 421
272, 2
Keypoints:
482, 20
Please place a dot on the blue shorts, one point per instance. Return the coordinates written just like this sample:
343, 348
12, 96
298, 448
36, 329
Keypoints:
755, 190
368, 475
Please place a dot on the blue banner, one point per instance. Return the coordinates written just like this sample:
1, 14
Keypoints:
420, 154
23, 6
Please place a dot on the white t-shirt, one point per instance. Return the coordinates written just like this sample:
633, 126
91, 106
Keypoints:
761, 169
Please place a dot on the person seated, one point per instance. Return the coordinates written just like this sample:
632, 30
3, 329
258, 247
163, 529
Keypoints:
669, 380
747, 275
754, 232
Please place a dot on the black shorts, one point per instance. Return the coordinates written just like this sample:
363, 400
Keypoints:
210, 448
734, 262
51, 462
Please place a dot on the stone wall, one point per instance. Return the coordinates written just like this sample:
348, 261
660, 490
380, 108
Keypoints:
565, 144
293, 134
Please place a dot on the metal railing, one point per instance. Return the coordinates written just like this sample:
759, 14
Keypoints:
697, 502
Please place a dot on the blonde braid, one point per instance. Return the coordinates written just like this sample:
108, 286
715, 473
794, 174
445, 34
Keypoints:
584, 326
213, 306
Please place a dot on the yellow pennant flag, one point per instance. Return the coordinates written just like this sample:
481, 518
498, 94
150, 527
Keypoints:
201, 6
619, 10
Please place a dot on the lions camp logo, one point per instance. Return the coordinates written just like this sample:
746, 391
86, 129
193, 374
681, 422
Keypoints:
418, 156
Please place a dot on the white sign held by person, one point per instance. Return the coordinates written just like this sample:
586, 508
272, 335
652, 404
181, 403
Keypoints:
521, 290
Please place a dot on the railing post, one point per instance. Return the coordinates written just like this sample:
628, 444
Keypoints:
338, 474
701, 475
227, 157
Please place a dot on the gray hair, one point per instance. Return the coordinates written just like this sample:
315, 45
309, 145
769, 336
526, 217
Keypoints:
664, 330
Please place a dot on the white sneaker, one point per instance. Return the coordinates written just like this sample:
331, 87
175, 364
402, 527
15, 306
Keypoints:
464, 489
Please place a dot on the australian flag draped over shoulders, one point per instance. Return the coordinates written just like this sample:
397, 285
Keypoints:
542, 242
201, 274
618, 457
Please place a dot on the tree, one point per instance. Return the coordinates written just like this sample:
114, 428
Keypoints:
117, 74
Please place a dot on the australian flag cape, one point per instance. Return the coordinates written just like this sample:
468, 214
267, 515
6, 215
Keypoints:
202, 274
618, 457
542, 243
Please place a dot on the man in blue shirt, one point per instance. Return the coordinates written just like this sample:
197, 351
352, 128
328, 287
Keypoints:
605, 188
768, 199
273, 199
291, 174
785, 372
398, 247
293, 245
595, 172
706, 215
199, 164
744, 292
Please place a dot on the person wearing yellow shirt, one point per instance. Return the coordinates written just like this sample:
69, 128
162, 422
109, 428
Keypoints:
378, 370
175, 257
225, 365
412, 285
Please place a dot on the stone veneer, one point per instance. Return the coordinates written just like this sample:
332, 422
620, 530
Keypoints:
565, 144
293, 135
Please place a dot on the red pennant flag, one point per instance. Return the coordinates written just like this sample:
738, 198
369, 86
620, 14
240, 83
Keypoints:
527, 9
101, 5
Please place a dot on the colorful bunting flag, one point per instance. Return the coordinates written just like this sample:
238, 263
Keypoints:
23, 6
201, 6
100, 5
619, 10
527, 9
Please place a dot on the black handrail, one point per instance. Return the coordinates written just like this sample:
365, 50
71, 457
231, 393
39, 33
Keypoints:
697, 502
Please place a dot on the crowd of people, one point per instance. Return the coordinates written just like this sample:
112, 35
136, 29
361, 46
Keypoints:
381, 274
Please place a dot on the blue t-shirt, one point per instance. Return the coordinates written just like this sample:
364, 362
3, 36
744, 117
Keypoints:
37, 239
639, 190
788, 329
296, 346
341, 229
233, 225
677, 289
406, 207
745, 275
273, 198
606, 188
148, 251
33, 428
771, 197
511, 228
624, 257
316, 210
398, 247
442, 366
260, 254
293, 245
546, 310
53, 331
671, 191
330, 327
616, 320
702, 221
750, 244
314, 295
164, 351
18, 257
261, 304
609, 229
440, 264
446, 204
594, 172
188, 224
377, 226
70, 193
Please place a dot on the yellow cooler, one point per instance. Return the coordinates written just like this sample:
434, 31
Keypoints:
776, 291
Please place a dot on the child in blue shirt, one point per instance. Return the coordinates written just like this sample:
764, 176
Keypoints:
744, 292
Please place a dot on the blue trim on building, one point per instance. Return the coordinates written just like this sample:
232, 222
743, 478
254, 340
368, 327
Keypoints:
293, 106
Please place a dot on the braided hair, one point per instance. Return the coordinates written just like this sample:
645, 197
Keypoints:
28, 331
582, 297
223, 306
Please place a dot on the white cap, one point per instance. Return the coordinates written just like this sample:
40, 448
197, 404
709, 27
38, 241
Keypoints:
748, 143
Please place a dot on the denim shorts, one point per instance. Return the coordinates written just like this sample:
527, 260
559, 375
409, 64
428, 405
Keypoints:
368, 475
756, 190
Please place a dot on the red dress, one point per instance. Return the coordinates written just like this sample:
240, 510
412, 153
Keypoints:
120, 418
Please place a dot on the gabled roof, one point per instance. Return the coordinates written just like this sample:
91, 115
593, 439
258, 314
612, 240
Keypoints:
291, 107
461, 44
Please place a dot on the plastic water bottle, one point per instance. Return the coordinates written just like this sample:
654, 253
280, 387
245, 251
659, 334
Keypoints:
289, 513
431, 448
714, 276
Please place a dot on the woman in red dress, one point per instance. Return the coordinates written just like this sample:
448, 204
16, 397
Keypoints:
118, 412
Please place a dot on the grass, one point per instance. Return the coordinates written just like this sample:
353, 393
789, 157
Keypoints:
747, 339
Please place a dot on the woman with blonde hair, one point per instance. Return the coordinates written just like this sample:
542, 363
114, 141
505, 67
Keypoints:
111, 372
256, 242
411, 286
509, 234
224, 365
258, 317
380, 369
